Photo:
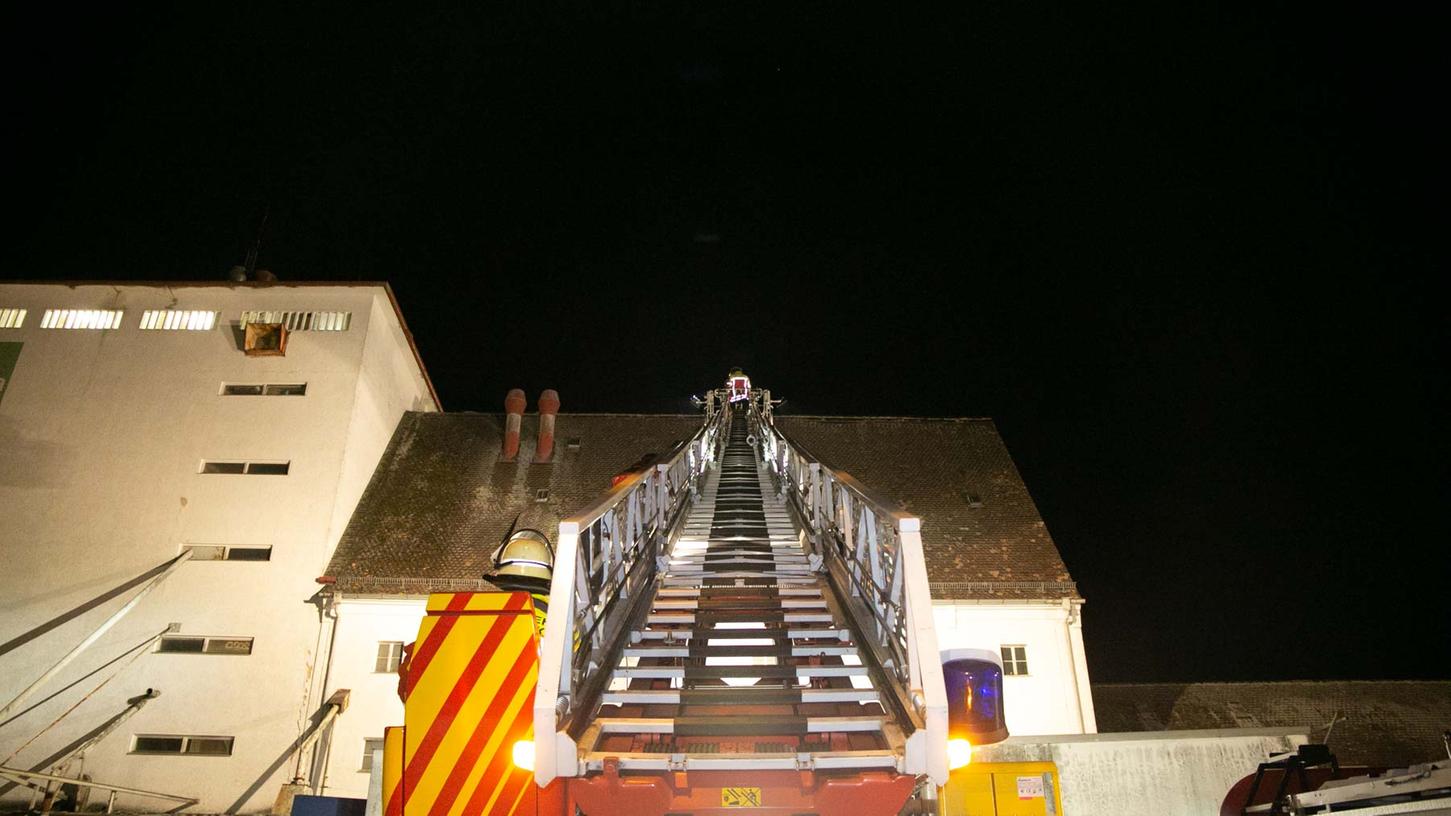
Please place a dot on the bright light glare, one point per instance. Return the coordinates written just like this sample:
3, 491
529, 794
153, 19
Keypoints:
959, 753
524, 754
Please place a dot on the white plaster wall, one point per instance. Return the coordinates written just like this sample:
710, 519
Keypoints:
101, 437
374, 703
1162, 773
389, 383
1051, 699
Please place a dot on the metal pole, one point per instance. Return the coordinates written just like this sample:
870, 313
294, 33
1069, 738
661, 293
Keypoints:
13, 772
93, 637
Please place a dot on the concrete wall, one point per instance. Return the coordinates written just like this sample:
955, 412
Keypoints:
101, 437
1054, 697
1173, 773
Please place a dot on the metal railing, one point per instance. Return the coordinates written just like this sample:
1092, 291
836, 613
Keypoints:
871, 550
606, 559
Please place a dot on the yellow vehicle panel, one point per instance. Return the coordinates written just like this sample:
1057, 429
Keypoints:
1002, 789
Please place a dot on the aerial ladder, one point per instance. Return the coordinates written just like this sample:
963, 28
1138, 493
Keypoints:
735, 627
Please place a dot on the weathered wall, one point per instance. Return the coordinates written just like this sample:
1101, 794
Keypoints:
1184, 773
102, 434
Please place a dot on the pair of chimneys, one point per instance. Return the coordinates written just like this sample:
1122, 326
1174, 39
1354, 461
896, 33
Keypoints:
514, 415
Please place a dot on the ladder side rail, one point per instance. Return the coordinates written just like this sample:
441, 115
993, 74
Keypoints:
875, 548
605, 562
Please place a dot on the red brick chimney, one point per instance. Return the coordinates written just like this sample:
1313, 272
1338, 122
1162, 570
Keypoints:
548, 407
514, 409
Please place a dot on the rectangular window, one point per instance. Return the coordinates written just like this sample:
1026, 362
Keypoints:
178, 320
301, 321
248, 468
264, 389
182, 644
12, 318
221, 552
183, 745
81, 319
390, 652
370, 745
1015, 660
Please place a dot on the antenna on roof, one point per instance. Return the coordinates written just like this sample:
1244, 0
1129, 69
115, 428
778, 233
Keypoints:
251, 265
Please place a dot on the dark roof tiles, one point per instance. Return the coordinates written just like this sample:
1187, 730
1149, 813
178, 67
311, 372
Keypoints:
1387, 722
980, 528
441, 500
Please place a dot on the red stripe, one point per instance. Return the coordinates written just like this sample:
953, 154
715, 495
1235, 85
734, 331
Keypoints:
395, 802
427, 746
508, 801
487, 726
428, 648
500, 766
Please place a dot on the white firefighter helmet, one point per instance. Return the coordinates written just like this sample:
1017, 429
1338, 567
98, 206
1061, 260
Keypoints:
526, 554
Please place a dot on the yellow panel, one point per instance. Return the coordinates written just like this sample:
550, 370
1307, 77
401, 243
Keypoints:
392, 767
992, 789
967, 794
474, 677
476, 601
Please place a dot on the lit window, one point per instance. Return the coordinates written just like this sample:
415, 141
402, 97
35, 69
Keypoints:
264, 389
1015, 660
390, 653
168, 744
182, 644
81, 319
301, 321
370, 745
221, 552
178, 320
248, 468
12, 318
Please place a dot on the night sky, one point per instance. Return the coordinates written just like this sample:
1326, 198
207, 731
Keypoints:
1185, 257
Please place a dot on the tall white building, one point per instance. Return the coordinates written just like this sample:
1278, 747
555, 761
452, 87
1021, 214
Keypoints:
134, 427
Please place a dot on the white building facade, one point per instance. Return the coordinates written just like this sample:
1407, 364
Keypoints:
133, 428
1045, 682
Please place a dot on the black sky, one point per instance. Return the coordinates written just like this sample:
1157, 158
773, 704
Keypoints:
1186, 256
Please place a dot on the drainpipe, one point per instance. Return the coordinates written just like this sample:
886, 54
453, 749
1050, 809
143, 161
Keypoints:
514, 414
1078, 665
548, 408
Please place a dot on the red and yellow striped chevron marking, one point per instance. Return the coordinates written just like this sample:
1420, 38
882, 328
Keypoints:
470, 698
392, 767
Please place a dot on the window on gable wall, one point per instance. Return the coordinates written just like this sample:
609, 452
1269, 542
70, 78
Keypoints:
370, 745
1015, 660
390, 652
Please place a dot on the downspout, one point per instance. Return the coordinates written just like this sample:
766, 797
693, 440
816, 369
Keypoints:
321, 750
1078, 665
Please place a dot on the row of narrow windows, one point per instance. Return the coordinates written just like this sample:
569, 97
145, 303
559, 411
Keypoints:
175, 319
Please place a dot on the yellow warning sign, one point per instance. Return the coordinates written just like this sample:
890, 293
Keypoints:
740, 797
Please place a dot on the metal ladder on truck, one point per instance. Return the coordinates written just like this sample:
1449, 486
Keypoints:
748, 629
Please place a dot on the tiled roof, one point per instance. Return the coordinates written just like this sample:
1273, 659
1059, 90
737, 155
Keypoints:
440, 500
1387, 722
981, 531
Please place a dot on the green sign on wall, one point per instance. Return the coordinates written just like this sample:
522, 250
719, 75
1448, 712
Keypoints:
9, 353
